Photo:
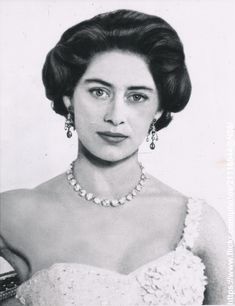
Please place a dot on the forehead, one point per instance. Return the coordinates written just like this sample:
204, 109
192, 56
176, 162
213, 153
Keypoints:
121, 68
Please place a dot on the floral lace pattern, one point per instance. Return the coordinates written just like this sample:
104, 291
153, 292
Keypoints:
192, 222
180, 280
174, 279
76, 284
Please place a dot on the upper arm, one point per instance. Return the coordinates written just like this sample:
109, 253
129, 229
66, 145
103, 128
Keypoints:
213, 250
12, 224
11, 302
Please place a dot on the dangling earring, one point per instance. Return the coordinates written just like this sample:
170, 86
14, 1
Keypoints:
69, 124
153, 133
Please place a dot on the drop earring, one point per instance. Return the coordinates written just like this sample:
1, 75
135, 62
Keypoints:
153, 134
69, 124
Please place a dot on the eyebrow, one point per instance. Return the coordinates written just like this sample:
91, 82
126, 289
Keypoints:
110, 85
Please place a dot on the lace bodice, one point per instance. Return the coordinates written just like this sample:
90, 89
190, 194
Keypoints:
175, 278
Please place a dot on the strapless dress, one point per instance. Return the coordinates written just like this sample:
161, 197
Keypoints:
177, 278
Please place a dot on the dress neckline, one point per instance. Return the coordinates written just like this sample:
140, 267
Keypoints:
189, 234
103, 270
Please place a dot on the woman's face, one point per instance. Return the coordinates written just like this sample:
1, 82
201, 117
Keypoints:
114, 104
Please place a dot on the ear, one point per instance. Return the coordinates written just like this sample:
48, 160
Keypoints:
158, 114
67, 102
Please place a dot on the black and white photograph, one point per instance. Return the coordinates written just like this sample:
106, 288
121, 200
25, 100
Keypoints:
117, 150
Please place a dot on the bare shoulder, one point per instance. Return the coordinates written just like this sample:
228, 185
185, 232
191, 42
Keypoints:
26, 215
26, 198
213, 231
212, 245
55, 186
15, 205
19, 207
165, 193
163, 202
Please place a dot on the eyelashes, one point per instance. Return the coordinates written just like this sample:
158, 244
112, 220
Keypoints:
137, 98
100, 93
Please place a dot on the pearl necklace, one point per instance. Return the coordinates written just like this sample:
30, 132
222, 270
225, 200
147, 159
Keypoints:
104, 202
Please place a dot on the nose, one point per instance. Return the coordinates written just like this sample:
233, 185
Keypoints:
115, 113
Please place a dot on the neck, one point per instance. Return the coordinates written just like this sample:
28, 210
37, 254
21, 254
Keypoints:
109, 179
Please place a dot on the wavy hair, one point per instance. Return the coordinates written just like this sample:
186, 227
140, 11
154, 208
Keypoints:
146, 35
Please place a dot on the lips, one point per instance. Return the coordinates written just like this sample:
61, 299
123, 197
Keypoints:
112, 137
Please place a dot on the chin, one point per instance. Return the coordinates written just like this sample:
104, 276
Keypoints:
112, 156
108, 155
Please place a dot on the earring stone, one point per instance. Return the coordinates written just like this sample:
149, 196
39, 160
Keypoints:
152, 133
68, 125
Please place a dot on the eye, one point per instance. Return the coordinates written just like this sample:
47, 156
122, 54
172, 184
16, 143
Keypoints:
137, 97
99, 93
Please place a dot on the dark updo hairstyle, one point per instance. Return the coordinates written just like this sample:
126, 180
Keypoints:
143, 34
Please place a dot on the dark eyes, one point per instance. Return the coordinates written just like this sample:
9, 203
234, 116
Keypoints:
137, 98
104, 94
99, 93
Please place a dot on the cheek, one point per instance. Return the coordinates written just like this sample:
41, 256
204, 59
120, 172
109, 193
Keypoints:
81, 110
142, 128
87, 117
143, 120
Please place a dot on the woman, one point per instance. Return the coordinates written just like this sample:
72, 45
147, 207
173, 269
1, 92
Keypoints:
105, 232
